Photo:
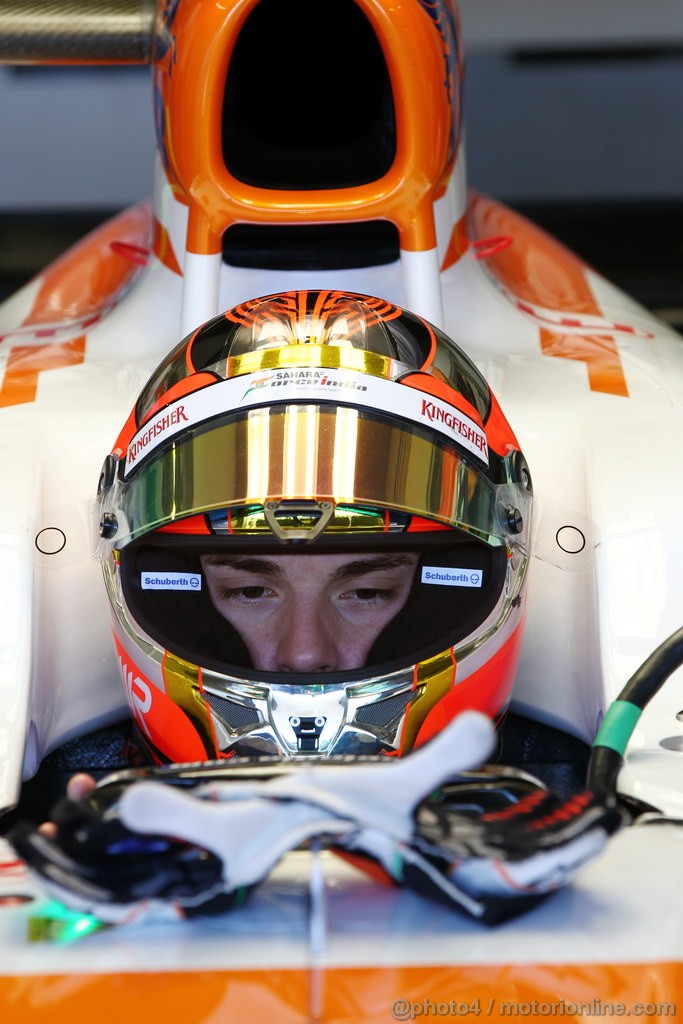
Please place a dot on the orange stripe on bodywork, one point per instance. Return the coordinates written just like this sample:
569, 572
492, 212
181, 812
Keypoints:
537, 268
347, 995
90, 275
482, 248
601, 356
163, 248
540, 270
25, 363
458, 244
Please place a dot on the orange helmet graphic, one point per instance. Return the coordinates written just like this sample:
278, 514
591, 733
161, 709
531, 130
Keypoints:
314, 532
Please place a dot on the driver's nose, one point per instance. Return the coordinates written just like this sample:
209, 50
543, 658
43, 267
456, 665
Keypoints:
305, 639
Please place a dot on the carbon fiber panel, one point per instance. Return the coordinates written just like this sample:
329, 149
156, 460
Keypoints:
76, 31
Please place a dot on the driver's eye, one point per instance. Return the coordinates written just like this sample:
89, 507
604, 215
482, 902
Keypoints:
369, 594
244, 593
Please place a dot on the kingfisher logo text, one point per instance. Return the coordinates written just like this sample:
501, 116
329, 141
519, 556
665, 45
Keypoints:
442, 576
176, 416
437, 414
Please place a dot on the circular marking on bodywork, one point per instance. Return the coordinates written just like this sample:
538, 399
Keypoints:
51, 540
570, 539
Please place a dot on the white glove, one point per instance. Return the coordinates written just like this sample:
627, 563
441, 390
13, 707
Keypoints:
249, 826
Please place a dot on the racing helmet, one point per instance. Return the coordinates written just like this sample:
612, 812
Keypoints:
314, 530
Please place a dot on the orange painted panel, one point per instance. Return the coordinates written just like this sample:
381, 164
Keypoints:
351, 995
25, 363
191, 91
600, 354
541, 271
163, 248
536, 267
91, 274
458, 244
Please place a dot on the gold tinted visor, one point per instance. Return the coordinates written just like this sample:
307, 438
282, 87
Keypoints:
309, 452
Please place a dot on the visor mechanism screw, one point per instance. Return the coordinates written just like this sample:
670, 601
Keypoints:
108, 525
514, 520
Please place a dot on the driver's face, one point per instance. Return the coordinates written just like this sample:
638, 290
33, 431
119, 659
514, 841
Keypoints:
309, 613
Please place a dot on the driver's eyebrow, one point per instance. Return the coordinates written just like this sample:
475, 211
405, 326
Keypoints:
264, 566
363, 566
245, 563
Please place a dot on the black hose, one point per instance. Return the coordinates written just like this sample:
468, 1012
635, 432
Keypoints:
648, 679
609, 746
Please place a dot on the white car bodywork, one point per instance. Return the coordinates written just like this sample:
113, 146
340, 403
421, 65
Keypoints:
592, 384
604, 468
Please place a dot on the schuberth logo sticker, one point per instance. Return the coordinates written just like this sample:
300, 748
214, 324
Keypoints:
442, 576
170, 581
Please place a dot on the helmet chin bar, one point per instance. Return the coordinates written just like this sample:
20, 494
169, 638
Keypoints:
297, 720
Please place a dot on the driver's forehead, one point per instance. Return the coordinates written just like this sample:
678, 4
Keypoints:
328, 566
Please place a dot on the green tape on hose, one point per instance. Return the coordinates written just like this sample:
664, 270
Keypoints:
618, 725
